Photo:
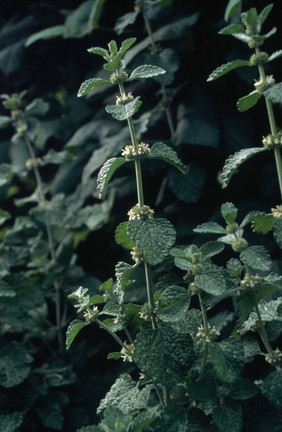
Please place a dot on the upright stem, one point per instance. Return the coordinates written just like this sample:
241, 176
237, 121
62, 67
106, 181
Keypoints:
273, 127
155, 50
51, 245
206, 329
262, 331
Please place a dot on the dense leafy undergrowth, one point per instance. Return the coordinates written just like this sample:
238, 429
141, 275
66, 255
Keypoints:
148, 205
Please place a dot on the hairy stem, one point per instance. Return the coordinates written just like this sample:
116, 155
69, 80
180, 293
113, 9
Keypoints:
273, 128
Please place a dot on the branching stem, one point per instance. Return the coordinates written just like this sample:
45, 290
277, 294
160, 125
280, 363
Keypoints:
51, 245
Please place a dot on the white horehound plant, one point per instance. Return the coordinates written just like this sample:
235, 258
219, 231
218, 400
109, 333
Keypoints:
197, 336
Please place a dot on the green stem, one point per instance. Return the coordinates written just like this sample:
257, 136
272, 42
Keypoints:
262, 331
273, 127
206, 328
51, 245
103, 326
150, 295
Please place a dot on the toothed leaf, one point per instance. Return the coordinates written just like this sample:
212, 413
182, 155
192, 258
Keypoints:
210, 228
145, 71
163, 152
123, 112
275, 55
274, 93
73, 330
234, 161
257, 258
88, 85
247, 102
227, 67
106, 173
154, 237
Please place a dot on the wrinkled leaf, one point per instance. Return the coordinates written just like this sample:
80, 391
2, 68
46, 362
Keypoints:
228, 67
88, 85
234, 161
145, 71
154, 237
123, 112
247, 102
73, 330
106, 172
163, 152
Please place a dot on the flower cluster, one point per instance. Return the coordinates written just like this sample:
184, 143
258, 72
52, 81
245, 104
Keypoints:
136, 255
140, 212
91, 314
239, 245
272, 141
33, 163
263, 84
130, 152
276, 358
250, 282
259, 59
124, 99
208, 336
277, 211
127, 353
147, 312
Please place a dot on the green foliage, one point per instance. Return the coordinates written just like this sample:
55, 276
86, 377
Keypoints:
154, 238
186, 325
233, 163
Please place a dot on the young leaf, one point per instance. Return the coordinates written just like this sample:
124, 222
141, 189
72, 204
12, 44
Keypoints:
88, 85
126, 44
263, 223
234, 161
232, 29
247, 102
154, 237
163, 152
274, 93
113, 49
209, 228
145, 71
229, 212
114, 63
257, 258
106, 172
227, 67
264, 14
275, 55
73, 330
123, 112
99, 51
